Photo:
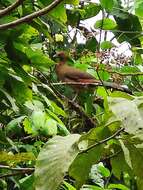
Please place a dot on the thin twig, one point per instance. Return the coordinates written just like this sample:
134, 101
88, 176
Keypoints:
111, 156
13, 6
30, 17
123, 74
103, 141
121, 31
15, 173
16, 169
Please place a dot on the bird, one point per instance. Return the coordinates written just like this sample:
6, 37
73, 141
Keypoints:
80, 79
69, 74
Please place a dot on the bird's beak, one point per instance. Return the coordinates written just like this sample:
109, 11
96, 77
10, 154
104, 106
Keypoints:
55, 56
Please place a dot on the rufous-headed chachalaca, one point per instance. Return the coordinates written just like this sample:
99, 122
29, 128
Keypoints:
69, 74
73, 76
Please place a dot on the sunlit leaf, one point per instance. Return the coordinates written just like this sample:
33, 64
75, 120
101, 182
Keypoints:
118, 186
54, 160
105, 24
108, 5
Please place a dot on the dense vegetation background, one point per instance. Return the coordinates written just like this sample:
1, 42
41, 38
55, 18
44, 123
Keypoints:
48, 141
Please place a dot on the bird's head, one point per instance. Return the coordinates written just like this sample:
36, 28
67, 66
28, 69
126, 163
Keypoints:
61, 57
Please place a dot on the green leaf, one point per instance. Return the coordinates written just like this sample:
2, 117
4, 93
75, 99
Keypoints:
91, 44
83, 163
140, 183
16, 158
129, 23
104, 75
126, 153
61, 127
50, 127
106, 45
72, 2
69, 186
20, 91
54, 107
22, 73
106, 4
39, 59
104, 171
54, 160
117, 168
136, 155
40, 123
139, 8
122, 95
91, 187
118, 186
27, 183
13, 127
59, 13
34, 105
27, 126
129, 69
90, 10
11, 100
105, 24
128, 113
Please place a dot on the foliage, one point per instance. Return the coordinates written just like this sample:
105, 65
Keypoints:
48, 141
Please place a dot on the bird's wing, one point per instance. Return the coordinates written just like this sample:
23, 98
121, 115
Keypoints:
77, 74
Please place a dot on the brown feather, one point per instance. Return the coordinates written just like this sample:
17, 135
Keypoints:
68, 73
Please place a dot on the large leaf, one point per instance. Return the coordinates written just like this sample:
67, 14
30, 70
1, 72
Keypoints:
129, 23
117, 168
83, 163
40, 123
54, 160
59, 12
136, 155
128, 113
39, 59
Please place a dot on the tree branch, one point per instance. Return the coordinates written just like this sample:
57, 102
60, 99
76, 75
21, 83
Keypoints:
7, 10
77, 108
73, 105
14, 174
16, 169
30, 17
123, 74
103, 141
98, 83
19, 171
